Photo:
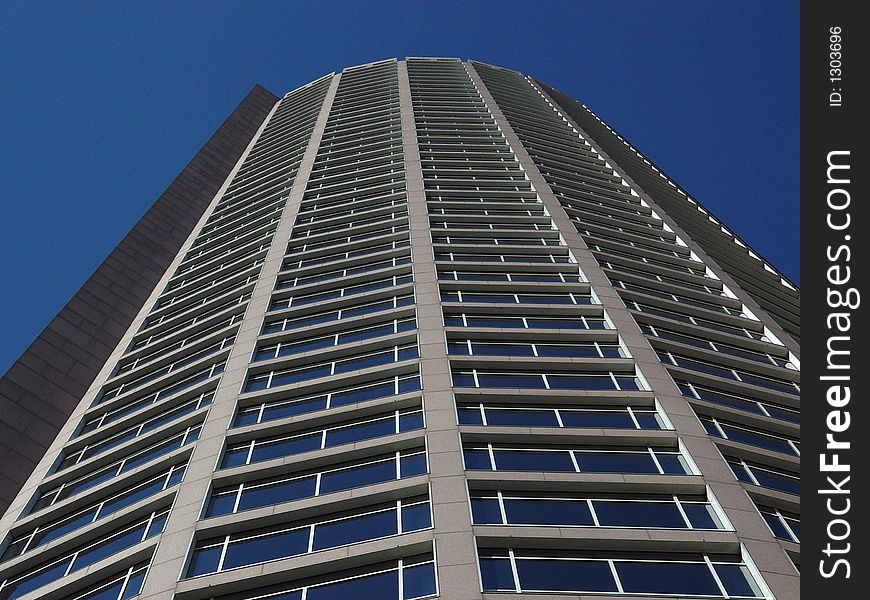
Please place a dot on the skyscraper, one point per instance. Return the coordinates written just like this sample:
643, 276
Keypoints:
424, 327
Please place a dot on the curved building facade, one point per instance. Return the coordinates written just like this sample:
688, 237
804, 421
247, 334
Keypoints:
435, 330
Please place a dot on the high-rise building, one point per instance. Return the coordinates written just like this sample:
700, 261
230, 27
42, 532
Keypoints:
421, 328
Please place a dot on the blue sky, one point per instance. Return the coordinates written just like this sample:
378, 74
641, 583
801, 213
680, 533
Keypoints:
104, 103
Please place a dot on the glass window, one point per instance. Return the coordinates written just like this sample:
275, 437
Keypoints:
221, 504
765, 476
524, 460
614, 513
287, 447
43, 536
672, 463
349, 531
598, 419
510, 380
277, 493
205, 560
746, 435
496, 574
266, 449
109, 547
574, 350
418, 581
565, 575
416, 517
121, 586
366, 472
239, 550
737, 580
477, 459
486, 511
522, 418
581, 382
548, 512
279, 409
363, 431
265, 548
272, 379
701, 516
413, 464
22, 583
469, 415
695, 575
106, 473
667, 578
381, 585
357, 477
561, 510
611, 462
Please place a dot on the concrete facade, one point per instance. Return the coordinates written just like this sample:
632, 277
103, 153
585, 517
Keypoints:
432, 334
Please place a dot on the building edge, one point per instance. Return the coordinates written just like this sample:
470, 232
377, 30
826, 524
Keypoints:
772, 290
42, 388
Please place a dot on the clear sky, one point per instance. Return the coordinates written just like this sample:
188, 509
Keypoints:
103, 103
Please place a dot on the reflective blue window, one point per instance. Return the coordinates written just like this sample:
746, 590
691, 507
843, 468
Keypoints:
121, 586
277, 493
418, 581
700, 516
382, 585
349, 531
271, 413
205, 561
547, 512
266, 449
496, 575
267, 547
508, 380
110, 547
639, 514
416, 517
586, 382
565, 575
238, 550
280, 409
221, 505
562, 572
672, 464
607, 462
367, 472
19, 584
413, 465
530, 418
476, 459
360, 476
286, 447
667, 578
600, 419
518, 460
469, 416
486, 511
737, 580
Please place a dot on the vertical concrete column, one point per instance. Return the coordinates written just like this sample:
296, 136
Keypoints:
767, 554
171, 553
454, 541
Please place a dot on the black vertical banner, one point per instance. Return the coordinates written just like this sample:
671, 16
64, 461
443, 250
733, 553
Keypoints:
835, 257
